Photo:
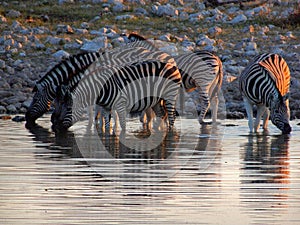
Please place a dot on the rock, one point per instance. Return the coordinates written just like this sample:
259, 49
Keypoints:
18, 119
248, 29
165, 37
3, 19
251, 46
65, 1
13, 14
53, 40
119, 7
96, 44
61, 54
2, 64
60, 28
165, 10
204, 40
11, 109
124, 17
241, 18
85, 25
214, 30
141, 11
2, 109
171, 49
195, 17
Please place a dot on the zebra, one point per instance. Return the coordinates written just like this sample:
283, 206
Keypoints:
200, 70
130, 88
62, 73
265, 83
70, 71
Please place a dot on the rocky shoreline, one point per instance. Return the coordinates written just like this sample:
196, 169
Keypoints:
28, 51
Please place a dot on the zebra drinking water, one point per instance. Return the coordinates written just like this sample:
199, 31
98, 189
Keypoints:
129, 88
201, 71
69, 72
70, 69
265, 83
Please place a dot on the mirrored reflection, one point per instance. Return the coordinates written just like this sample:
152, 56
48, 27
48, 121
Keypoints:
265, 175
59, 146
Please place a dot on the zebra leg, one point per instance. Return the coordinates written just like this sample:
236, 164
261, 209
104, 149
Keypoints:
116, 119
249, 111
160, 112
204, 104
120, 107
214, 108
266, 119
260, 112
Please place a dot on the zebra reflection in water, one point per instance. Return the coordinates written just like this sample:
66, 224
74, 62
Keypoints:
265, 175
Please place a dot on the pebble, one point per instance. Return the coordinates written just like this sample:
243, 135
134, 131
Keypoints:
61, 54
239, 19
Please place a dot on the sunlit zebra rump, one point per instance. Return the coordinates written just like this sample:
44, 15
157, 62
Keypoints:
130, 88
265, 83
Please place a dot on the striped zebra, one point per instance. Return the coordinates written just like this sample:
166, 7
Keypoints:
69, 72
201, 71
265, 83
130, 88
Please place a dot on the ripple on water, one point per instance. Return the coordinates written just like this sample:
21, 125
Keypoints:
216, 174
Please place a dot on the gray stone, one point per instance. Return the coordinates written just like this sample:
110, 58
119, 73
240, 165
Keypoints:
81, 31
61, 54
2, 64
65, 1
142, 11
204, 40
27, 103
60, 28
72, 46
241, 18
125, 17
195, 17
11, 109
85, 25
165, 10
251, 53
2, 109
96, 44
13, 14
53, 40
165, 37
214, 30
251, 46
119, 7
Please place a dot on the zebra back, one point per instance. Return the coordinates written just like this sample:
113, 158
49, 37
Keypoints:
278, 70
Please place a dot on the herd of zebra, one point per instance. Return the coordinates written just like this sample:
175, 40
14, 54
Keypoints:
138, 77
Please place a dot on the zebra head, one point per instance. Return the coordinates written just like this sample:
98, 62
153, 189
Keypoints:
279, 114
39, 105
62, 115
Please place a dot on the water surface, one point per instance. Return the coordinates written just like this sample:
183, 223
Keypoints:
210, 175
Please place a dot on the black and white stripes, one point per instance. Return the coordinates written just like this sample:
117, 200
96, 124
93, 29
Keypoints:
265, 83
131, 88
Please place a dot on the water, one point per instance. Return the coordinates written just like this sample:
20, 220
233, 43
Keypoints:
214, 175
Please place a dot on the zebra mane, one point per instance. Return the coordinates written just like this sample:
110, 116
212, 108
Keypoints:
71, 59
